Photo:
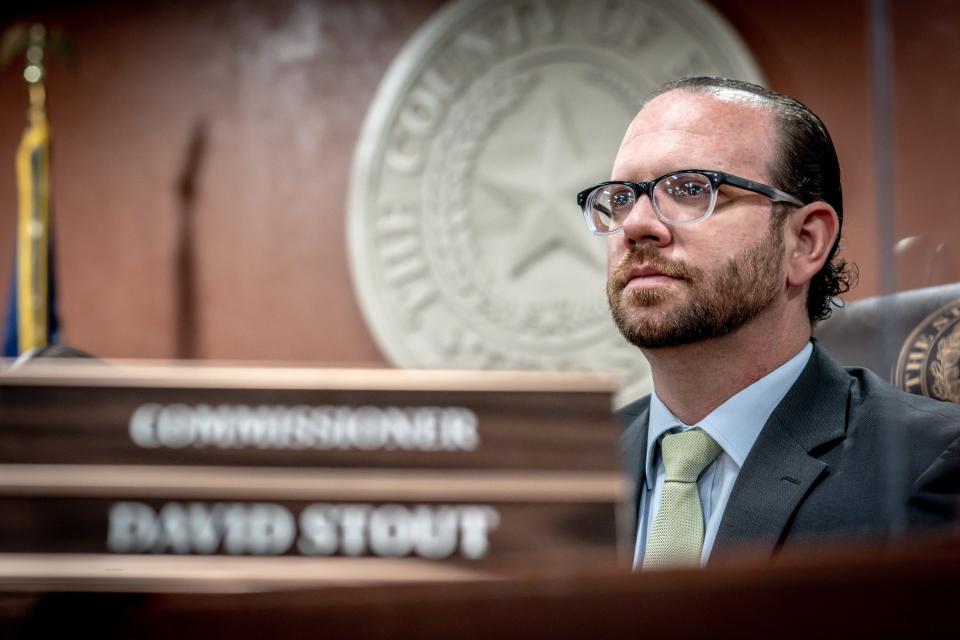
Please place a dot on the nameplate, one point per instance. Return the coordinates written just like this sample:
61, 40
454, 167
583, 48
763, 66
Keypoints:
100, 414
470, 468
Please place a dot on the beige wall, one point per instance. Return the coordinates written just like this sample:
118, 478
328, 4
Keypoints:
272, 111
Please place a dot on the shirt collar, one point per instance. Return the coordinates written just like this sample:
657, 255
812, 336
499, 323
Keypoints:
737, 422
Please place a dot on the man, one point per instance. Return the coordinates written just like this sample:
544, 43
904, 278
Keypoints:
723, 223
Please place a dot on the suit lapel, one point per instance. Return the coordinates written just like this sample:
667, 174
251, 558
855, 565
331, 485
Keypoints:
633, 448
780, 470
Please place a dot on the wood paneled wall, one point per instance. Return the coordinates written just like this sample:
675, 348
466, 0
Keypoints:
231, 124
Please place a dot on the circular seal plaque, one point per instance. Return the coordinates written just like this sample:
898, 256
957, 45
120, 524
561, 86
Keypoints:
929, 362
467, 248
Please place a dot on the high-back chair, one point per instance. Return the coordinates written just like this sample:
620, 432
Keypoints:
911, 338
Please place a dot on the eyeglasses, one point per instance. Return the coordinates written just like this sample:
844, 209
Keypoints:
681, 197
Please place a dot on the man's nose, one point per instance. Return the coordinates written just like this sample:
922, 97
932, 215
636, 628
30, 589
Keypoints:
643, 225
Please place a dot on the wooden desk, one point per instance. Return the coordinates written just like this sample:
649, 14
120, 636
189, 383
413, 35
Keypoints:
844, 593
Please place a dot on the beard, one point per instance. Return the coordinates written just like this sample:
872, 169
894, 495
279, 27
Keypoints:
744, 286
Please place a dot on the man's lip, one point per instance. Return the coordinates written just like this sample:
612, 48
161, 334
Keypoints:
647, 276
644, 271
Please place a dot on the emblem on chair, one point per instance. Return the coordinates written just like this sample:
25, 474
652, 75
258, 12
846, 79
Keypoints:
929, 362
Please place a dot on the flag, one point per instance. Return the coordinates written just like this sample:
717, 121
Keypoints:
32, 321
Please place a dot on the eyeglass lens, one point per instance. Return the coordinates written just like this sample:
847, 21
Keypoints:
678, 197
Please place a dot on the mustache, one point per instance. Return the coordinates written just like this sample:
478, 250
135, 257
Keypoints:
647, 255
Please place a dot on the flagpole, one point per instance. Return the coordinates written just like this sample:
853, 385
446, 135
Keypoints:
33, 185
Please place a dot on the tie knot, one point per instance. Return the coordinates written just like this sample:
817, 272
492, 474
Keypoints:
687, 454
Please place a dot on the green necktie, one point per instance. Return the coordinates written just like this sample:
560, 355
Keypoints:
677, 534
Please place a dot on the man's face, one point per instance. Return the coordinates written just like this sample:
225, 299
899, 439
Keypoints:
670, 285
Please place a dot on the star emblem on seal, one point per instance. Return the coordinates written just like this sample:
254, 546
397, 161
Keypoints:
540, 209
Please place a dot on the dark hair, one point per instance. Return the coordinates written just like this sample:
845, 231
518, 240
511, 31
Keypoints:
806, 167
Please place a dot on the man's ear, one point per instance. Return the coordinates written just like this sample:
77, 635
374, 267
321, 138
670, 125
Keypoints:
811, 230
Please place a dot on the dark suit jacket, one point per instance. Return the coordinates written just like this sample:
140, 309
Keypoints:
843, 454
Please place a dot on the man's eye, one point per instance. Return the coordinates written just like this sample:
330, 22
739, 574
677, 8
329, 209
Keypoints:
687, 190
619, 200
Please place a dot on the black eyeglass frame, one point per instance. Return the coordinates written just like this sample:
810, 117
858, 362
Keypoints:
716, 179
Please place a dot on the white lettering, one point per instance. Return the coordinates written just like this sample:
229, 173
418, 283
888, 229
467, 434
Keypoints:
318, 531
390, 533
475, 524
366, 428
353, 520
389, 530
142, 425
132, 528
270, 530
435, 533
175, 419
258, 529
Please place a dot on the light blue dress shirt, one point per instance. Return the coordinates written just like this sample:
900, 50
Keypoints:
735, 425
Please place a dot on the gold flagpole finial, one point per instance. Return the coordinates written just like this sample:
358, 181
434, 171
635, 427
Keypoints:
37, 43
34, 72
